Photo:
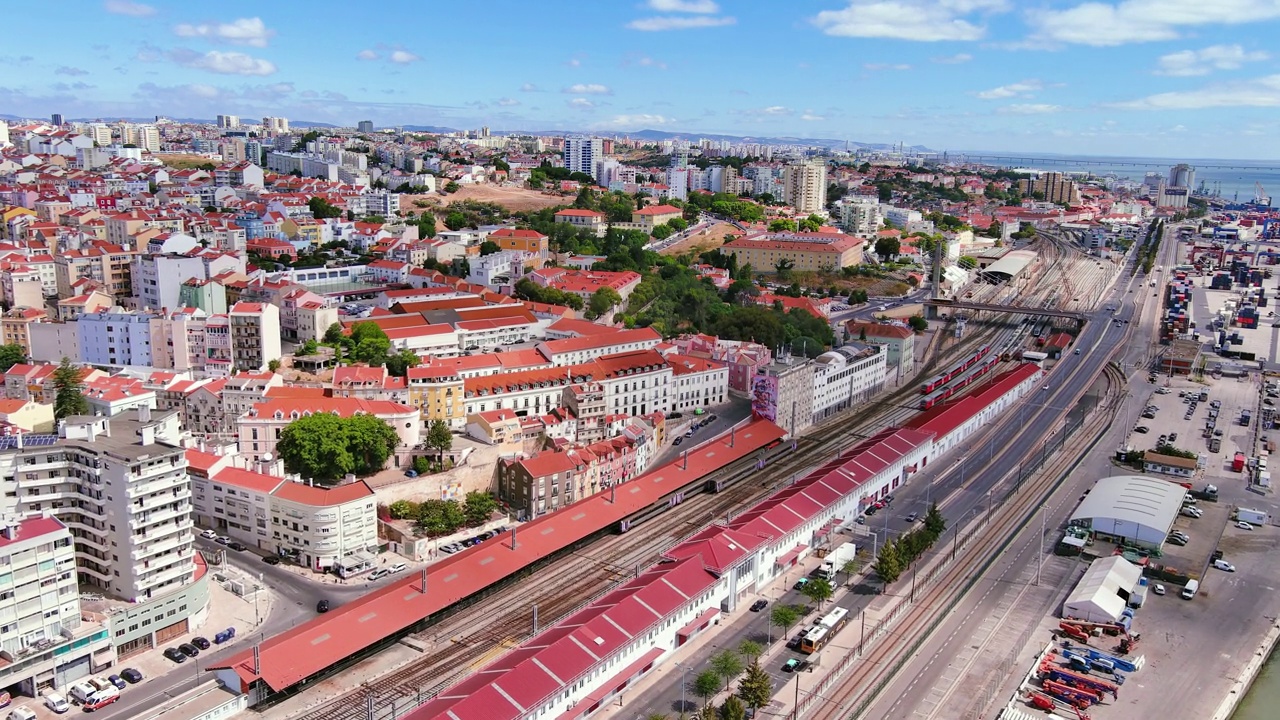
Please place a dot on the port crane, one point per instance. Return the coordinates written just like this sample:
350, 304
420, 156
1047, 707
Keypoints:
1260, 196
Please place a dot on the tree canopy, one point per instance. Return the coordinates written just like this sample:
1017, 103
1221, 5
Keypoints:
68, 396
325, 447
11, 354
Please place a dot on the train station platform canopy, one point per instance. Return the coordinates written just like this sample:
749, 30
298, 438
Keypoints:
1008, 267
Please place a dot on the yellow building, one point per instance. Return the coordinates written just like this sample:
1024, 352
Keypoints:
819, 252
15, 326
438, 394
308, 229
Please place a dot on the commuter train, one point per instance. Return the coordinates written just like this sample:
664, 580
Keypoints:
955, 370
959, 383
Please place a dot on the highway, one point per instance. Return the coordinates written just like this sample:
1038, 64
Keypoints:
960, 488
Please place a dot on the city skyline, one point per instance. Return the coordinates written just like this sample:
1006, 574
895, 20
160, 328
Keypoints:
1135, 77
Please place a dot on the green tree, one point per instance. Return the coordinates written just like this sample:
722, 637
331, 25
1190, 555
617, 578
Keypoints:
478, 507
705, 684
489, 247
273, 365
452, 187
888, 247
403, 509
455, 220
784, 616
934, 522
678, 224
398, 364
733, 709
918, 323
756, 687
321, 209
333, 334
68, 396
662, 232
818, 590
813, 223
783, 268
850, 568
727, 665
310, 347
421, 465
750, 649
888, 564
440, 517
324, 447
369, 343
11, 354
782, 225
439, 438
427, 225
967, 262
602, 301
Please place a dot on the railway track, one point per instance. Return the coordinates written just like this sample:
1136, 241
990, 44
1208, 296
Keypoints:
913, 620
469, 636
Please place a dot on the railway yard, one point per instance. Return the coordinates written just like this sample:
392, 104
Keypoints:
964, 636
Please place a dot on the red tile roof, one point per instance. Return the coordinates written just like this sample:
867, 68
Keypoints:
301, 652
33, 527
659, 210
320, 496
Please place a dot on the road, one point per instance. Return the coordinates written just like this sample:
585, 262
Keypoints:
960, 484
295, 601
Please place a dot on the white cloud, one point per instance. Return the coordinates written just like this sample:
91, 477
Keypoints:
1204, 61
581, 104
919, 20
132, 9
573, 62
507, 102
706, 7
874, 67
1135, 21
1019, 89
529, 87
957, 59
242, 31
366, 55
646, 61
587, 89
1258, 92
229, 63
667, 22
811, 117
402, 57
68, 70
641, 120
1029, 109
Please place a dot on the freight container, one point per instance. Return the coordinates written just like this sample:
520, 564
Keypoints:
1249, 515
1237, 464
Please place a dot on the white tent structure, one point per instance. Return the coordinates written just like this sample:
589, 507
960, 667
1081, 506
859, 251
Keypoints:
1103, 593
1136, 509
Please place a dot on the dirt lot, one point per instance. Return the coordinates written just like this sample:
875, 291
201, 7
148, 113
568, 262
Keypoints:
183, 162
514, 199
713, 238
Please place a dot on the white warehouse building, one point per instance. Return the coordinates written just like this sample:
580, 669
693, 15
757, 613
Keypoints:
1134, 509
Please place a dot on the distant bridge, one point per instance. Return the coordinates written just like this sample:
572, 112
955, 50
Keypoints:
1022, 160
937, 305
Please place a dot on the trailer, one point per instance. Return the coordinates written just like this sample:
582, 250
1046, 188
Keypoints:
836, 560
1126, 665
1251, 516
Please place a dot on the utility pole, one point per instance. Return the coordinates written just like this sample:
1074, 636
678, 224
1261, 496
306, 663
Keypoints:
1040, 558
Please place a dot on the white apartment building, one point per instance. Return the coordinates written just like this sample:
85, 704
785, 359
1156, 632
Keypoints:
100, 133
860, 216
697, 382
901, 217
307, 164
507, 264
121, 485
146, 137
275, 125
581, 153
42, 634
158, 279
845, 377
319, 527
255, 335
806, 186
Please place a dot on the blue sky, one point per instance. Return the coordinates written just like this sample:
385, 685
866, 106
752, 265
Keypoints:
1171, 78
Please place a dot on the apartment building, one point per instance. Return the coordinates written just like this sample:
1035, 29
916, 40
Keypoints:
897, 340
528, 241
15, 326
259, 429
816, 251
178, 340
21, 286
581, 153
275, 125
591, 220
325, 528
782, 392
846, 376
437, 393
860, 216
109, 265
115, 337
44, 638
255, 335
121, 484
585, 348
697, 382
806, 186
1053, 187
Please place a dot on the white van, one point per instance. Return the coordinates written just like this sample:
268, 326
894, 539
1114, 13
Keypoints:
22, 713
81, 691
55, 702
1192, 587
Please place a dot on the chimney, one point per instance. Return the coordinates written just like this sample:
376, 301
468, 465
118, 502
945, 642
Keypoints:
424, 580
11, 528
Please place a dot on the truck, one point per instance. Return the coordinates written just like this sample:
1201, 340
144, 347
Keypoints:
1215, 443
1251, 516
1237, 463
1208, 494
836, 560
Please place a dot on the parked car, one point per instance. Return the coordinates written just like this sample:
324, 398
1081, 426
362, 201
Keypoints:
758, 605
1244, 525
56, 702
1142, 429
271, 559
790, 665
222, 539
208, 534
1192, 511
800, 583
131, 676
794, 643
912, 517
678, 440
322, 606
237, 546
117, 681
1175, 540
1224, 566
189, 650
200, 643
1158, 589
175, 655
378, 574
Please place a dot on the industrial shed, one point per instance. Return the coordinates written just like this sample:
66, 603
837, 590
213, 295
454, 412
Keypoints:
1103, 593
1008, 267
1134, 509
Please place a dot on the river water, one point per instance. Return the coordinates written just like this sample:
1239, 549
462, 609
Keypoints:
1261, 701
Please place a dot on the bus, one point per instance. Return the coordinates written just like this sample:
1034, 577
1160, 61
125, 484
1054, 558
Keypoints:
827, 627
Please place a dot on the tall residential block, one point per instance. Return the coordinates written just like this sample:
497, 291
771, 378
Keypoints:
275, 125
806, 186
228, 122
581, 153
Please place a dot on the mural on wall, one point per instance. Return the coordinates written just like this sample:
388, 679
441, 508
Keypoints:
764, 397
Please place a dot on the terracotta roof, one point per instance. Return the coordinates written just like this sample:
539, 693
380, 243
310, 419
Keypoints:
319, 496
660, 210
247, 479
